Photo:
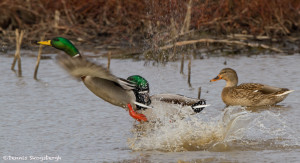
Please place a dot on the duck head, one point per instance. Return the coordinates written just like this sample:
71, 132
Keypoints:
141, 90
229, 75
62, 44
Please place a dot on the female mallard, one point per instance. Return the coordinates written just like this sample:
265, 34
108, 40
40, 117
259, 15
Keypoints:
249, 94
132, 94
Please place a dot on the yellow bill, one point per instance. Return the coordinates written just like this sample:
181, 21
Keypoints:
45, 43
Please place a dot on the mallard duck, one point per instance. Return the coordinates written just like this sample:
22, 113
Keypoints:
131, 94
248, 94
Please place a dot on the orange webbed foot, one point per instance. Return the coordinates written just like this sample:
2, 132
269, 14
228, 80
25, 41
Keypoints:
135, 115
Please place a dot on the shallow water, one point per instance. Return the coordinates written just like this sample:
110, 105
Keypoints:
58, 116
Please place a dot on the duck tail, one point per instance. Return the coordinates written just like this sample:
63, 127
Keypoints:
199, 106
285, 92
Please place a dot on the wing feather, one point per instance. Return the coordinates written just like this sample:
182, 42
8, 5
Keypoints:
79, 67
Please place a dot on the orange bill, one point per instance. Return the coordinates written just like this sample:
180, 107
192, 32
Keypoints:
216, 78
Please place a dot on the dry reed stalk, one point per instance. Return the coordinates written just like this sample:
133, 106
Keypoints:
38, 59
19, 38
284, 29
187, 20
56, 20
171, 57
28, 4
19, 55
189, 71
16, 53
199, 92
108, 60
207, 41
173, 30
246, 37
67, 13
182, 64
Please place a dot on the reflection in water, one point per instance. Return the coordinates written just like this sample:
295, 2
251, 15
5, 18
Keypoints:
264, 108
235, 129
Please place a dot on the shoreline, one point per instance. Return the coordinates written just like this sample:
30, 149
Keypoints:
238, 44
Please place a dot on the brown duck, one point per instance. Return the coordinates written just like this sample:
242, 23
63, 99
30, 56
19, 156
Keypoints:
248, 94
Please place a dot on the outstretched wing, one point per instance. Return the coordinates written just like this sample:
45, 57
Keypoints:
80, 67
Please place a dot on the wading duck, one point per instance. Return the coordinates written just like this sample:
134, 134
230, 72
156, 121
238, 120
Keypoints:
248, 94
131, 94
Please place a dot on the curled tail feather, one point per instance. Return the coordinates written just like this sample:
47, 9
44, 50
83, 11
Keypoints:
285, 92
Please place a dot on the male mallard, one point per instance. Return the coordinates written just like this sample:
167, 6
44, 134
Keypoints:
132, 93
249, 94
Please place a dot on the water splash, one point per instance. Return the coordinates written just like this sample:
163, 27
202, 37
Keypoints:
234, 129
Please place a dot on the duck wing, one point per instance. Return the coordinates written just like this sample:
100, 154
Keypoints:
261, 88
197, 104
80, 67
174, 99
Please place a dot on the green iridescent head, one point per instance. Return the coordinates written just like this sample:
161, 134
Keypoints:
62, 44
142, 90
141, 83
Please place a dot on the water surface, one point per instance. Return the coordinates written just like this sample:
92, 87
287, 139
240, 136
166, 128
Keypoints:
57, 115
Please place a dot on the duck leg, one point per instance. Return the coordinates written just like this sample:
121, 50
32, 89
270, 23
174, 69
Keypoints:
135, 115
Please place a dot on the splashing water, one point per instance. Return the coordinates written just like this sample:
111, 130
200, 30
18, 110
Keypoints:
234, 129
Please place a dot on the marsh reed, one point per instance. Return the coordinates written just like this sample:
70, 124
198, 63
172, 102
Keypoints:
189, 71
108, 60
117, 21
17, 57
38, 59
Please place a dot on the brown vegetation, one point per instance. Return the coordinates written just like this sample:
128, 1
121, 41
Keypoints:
155, 23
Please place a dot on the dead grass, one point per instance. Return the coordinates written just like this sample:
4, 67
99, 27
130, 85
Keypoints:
152, 22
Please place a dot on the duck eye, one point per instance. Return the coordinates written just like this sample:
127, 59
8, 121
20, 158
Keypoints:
55, 39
